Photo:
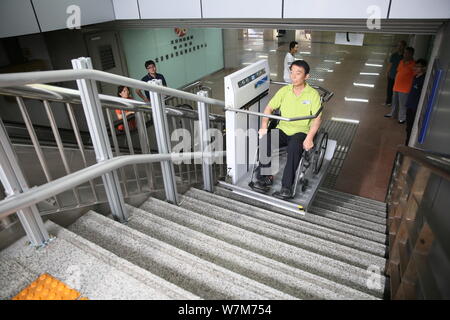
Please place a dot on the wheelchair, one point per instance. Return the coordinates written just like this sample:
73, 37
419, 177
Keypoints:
310, 160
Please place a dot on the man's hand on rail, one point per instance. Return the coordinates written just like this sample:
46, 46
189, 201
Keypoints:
308, 144
262, 132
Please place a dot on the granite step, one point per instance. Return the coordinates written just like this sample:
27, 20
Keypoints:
331, 269
341, 214
285, 278
293, 224
194, 274
369, 212
96, 273
353, 198
320, 220
267, 229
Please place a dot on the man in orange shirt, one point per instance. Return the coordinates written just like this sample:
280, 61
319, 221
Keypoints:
402, 85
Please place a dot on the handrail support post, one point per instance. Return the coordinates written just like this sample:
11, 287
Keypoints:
100, 140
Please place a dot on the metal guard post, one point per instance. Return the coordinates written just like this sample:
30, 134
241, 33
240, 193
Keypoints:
163, 139
203, 116
14, 182
100, 140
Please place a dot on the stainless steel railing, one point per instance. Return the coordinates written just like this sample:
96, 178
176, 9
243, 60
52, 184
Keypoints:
126, 142
96, 108
34, 195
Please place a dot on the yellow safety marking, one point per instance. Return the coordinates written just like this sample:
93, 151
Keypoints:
47, 287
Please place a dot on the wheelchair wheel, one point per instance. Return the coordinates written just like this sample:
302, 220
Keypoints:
320, 152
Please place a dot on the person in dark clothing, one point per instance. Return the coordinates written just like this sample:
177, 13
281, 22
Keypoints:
152, 74
394, 60
414, 95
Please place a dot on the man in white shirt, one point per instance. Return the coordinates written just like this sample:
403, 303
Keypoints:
288, 59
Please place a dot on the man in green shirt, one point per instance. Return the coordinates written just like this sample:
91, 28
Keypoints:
295, 100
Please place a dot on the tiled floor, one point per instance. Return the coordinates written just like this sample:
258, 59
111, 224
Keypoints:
367, 168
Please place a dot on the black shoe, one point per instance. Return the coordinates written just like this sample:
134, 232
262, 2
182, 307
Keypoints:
284, 193
401, 121
265, 180
388, 116
262, 184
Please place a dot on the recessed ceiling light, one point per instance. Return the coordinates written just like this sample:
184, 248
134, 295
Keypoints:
356, 99
363, 85
345, 120
374, 65
369, 73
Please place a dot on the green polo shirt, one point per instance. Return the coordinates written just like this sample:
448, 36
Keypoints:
292, 106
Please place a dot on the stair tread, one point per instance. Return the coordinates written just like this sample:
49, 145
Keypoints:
369, 213
352, 196
103, 275
183, 269
338, 271
320, 220
294, 281
311, 243
297, 225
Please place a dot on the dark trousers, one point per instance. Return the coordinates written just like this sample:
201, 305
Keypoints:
390, 90
410, 116
294, 145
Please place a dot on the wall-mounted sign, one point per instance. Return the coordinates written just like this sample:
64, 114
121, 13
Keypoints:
181, 32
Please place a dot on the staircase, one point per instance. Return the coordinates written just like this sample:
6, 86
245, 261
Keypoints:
214, 246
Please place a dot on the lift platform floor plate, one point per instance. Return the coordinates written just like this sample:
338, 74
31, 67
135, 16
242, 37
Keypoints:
301, 201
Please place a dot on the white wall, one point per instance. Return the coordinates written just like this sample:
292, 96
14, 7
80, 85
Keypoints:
52, 15
420, 9
17, 18
332, 9
170, 9
242, 8
126, 9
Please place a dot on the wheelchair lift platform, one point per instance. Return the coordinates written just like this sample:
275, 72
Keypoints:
302, 199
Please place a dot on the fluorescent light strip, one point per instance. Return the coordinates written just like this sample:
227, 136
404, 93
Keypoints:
345, 120
246, 63
305, 52
248, 49
363, 85
273, 50
355, 99
369, 73
374, 65
263, 57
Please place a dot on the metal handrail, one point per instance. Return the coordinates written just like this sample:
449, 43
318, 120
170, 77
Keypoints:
327, 95
271, 116
34, 195
66, 95
324, 97
23, 78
